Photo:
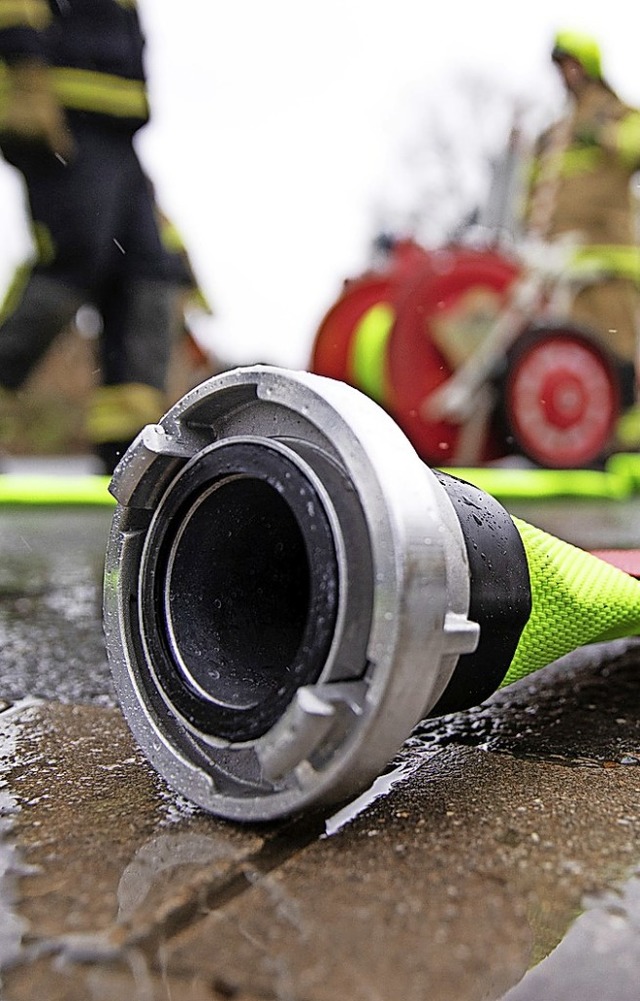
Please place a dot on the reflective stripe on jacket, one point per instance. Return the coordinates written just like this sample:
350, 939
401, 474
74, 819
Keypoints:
94, 48
581, 179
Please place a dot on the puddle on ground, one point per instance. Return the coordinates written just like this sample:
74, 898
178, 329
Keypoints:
157, 859
599, 956
12, 926
601, 943
12, 867
381, 787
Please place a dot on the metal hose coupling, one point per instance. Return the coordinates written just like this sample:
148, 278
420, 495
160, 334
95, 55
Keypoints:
289, 589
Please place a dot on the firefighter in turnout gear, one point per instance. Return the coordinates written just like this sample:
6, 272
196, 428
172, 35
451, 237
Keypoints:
72, 97
581, 188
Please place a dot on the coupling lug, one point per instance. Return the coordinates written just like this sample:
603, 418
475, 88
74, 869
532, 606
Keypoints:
461, 635
296, 735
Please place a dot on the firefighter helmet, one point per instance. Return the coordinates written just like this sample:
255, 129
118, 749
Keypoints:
583, 48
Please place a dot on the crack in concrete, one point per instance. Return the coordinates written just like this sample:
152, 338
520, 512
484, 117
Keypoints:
204, 897
120, 943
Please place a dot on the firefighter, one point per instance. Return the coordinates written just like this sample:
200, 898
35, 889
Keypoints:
72, 97
581, 188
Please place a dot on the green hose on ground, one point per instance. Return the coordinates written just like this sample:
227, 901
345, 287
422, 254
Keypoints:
576, 599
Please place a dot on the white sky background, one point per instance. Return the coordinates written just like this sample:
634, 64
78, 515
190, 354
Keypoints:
276, 124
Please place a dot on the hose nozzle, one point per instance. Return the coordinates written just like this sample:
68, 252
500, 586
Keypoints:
289, 590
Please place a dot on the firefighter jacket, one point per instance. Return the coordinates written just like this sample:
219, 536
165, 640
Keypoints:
92, 51
581, 181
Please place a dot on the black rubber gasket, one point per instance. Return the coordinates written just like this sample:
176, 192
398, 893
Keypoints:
500, 594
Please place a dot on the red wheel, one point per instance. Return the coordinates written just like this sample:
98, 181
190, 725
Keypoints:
561, 397
439, 322
331, 352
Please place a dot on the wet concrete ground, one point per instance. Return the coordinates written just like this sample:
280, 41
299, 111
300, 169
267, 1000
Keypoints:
499, 858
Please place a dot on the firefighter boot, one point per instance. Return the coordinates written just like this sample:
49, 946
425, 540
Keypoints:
117, 414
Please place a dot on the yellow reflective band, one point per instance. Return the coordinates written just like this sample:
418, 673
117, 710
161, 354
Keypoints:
84, 90
628, 139
44, 243
368, 350
579, 161
17, 285
119, 412
614, 259
24, 14
170, 236
565, 164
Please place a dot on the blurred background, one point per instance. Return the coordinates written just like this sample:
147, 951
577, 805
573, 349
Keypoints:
285, 136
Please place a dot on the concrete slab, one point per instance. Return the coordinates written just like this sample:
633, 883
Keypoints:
500, 860
469, 872
450, 889
505, 860
99, 839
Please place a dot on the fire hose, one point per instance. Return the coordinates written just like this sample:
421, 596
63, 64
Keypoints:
289, 590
